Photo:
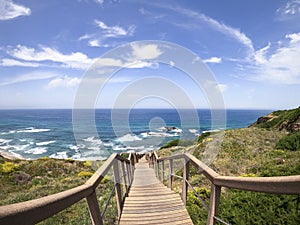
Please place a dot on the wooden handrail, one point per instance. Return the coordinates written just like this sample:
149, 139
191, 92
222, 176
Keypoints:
275, 185
34, 211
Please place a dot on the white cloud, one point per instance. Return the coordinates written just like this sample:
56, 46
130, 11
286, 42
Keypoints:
221, 87
145, 52
10, 10
290, 8
281, 65
142, 64
115, 31
108, 62
97, 43
84, 37
260, 55
94, 43
33, 76
294, 37
76, 60
213, 60
99, 1
65, 81
12, 62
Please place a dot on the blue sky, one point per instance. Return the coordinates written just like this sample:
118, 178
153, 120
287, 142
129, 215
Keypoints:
252, 47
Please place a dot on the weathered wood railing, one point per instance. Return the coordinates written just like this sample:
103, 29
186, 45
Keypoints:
275, 185
34, 211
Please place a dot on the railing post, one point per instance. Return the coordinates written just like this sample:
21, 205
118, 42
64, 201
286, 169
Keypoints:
94, 209
186, 169
128, 175
118, 188
214, 204
162, 171
157, 169
170, 173
124, 179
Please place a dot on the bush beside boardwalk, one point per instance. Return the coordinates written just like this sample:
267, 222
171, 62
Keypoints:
267, 148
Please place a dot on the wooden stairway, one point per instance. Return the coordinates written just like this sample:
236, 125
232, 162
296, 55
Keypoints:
150, 202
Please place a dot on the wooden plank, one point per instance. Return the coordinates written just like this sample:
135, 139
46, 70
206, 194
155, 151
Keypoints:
150, 202
153, 222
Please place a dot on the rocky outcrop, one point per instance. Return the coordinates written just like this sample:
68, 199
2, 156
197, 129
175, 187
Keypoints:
284, 120
264, 119
290, 127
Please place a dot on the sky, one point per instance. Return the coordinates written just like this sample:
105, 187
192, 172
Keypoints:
250, 48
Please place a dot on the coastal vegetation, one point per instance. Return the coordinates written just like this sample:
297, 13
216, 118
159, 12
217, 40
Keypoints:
269, 147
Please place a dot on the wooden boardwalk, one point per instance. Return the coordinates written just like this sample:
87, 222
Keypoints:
150, 202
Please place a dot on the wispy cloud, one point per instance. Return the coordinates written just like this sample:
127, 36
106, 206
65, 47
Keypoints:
105, 32
44, 54
115, 31
13, 62
10, 10
151, 15
214, 24
33, 76
290, 9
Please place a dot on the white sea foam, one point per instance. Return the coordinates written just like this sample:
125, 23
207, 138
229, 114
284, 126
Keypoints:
9, 132
170, 129
4, 141
206, 131
32, 130
129, 138
193, 131
20, 147
76, 156
160, 134
119, 148
144, 135
59, 155
45, 143
108, 144
6, 147
73, 147
93, 140
37, 150
139, 148
94, 148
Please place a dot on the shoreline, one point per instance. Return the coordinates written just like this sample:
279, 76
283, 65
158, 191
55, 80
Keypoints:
11, 156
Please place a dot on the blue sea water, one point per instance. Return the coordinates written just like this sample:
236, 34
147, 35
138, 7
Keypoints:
48, 132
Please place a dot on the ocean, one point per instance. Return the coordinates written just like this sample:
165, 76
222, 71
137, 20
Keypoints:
35, 133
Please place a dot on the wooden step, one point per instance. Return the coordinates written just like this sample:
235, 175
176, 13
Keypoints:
150, 202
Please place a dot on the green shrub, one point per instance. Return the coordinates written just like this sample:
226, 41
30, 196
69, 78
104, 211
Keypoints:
289, 142
170, 144
9, 167
203, 136
245, 207
195, 207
